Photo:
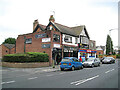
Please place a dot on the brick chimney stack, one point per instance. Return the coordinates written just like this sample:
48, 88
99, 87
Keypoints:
35, 23
52, 18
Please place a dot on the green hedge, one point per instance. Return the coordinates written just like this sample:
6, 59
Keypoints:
118, 56
26, 57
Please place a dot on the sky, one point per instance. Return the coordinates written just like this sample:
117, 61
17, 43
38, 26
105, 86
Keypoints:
99, 16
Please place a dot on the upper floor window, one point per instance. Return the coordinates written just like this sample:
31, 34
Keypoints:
84, 40
56, 38
28, 41
76, 40
68, 39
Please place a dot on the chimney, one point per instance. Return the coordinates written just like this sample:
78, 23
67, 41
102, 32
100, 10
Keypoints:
52, 18
35, 23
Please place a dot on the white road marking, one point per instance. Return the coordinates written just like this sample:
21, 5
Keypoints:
109, 70
8, 82
32, 78
50, 75
84, 80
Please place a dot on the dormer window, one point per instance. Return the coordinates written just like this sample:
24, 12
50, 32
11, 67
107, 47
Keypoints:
51, 28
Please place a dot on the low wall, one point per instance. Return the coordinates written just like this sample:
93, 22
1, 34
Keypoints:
25, 65
114, 56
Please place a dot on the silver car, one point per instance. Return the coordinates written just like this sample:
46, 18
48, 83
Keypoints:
108, 60
92, 62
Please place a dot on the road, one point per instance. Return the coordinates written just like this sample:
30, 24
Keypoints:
105, 76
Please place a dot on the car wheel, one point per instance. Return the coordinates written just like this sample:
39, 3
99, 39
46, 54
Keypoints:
73, 68
92, 65
62, 69
82, 67
99, 64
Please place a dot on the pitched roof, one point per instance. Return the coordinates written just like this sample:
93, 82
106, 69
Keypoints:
75, 31
42, 27
102, 47
10, 46
65, 29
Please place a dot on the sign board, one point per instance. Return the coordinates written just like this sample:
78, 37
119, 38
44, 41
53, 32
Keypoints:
45, 45
57, 45
46, 39
88, 51
40, 35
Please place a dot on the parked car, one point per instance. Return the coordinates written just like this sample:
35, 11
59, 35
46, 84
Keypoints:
71, 63
108, 60
92, 62
102, 59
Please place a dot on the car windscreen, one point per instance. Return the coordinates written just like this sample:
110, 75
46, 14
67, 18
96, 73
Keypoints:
108, 57
66, 60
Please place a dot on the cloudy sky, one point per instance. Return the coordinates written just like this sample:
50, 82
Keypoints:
99, 16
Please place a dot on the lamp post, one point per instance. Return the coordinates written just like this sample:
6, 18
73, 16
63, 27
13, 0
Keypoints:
110, 37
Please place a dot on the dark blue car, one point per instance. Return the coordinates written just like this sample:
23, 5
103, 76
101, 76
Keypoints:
71, 63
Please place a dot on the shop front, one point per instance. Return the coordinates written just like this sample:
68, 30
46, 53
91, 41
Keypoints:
86, 53
70, 51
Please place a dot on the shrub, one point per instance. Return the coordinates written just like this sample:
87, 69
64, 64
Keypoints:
26, 57
118, 56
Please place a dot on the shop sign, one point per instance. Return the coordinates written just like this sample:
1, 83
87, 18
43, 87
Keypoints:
46, 39
40, 35
88, 51
57, 45
45, 45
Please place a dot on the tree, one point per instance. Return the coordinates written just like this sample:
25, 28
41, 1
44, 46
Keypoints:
109, 46
9, 41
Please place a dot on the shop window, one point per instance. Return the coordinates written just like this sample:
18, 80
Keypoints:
56, 38
28, 41
68, 39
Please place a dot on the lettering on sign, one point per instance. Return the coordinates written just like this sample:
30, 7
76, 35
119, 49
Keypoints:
46, 39
57, 45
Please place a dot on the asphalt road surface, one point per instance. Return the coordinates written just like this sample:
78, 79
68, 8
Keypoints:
105, 76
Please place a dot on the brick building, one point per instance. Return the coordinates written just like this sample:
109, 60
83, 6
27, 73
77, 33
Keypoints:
7, 49
56, 40
100, 50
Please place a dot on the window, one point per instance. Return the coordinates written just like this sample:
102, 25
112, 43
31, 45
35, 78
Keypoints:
75, 60
28, 41
56, 38
68, 39
76, 40
84, 40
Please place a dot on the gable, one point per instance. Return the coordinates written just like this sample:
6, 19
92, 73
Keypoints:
39, 27
83, 33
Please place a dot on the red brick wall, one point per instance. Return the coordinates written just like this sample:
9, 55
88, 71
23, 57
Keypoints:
36, 45
99, 52
20, 44
5, 50
12, 51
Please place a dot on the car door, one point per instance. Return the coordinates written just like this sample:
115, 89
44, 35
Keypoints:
95, 62
75, 62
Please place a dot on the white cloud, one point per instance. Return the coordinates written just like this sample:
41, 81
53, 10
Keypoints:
19, 16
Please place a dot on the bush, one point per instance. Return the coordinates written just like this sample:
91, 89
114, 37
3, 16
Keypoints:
118, 56
26, 57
